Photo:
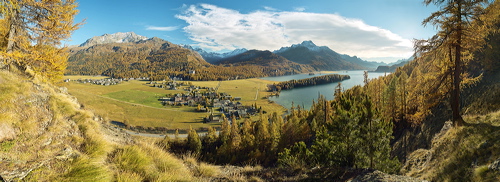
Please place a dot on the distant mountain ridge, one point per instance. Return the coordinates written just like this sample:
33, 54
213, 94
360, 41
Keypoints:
319, 57
119, 37
307, 44
267, 59
368, 64
213, 57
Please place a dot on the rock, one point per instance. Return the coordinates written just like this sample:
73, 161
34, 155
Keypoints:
495, 166
66, 153
378, 176
7, 132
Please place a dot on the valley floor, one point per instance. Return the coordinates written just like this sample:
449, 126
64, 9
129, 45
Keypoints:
136, 103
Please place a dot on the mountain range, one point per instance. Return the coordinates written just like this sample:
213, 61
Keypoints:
319, 57
126, 57
129, 54
213, 57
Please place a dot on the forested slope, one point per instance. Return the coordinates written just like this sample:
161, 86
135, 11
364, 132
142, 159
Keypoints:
153, 57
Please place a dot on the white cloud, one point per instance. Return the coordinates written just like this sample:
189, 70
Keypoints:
219, 28
270, 8
300, 9
161, 28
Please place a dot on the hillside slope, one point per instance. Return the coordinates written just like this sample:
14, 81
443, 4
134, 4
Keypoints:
468, 153
45, 135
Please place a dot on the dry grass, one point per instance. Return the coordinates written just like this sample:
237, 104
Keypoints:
460, 154
85, 169
55, 140
128, 177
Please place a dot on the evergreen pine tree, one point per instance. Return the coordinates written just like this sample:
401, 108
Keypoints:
193, 141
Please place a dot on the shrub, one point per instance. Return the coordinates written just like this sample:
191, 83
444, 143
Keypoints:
83, 169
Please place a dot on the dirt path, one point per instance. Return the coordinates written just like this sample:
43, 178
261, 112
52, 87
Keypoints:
257, 94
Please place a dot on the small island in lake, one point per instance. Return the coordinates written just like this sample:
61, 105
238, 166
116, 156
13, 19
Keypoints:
318, 80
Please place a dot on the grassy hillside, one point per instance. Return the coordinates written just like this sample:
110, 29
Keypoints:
46, 136
465, 153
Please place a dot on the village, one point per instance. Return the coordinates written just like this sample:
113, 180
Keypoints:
105, 81
210, 101
206, 99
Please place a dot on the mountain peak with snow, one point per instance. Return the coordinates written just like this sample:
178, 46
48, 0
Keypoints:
214, 56
119, 37
307, 44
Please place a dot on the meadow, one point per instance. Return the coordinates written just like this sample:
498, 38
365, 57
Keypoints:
136, 102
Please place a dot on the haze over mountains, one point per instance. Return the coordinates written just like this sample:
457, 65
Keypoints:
113, 54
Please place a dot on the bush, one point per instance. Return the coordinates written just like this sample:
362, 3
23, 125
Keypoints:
133, 159
83, 169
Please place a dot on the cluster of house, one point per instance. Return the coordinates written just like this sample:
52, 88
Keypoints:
196, 97
227, 104
171, 85
230, 109
104, 82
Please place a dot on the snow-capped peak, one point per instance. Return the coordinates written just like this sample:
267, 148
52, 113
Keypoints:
234, 53
212, 55
307, 44
119, 37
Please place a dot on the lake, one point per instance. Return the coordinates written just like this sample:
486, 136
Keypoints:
305, 95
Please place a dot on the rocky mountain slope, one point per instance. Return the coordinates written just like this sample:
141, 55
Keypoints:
119, 37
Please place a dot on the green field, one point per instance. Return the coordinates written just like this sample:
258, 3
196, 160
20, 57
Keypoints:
137, 96
136, 102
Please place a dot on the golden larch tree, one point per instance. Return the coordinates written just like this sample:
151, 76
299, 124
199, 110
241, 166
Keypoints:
32, 32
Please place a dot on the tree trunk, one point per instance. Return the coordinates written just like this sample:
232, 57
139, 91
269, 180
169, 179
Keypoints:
455, 101
12, 32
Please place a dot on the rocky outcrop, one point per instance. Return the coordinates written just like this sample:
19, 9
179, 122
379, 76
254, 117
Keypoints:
378, 176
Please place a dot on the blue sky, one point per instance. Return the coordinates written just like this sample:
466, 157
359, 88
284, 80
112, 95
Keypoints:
375, 30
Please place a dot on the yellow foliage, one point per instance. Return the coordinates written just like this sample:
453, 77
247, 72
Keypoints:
32, 32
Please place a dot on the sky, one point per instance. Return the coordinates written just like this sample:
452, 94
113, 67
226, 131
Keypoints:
374, 30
